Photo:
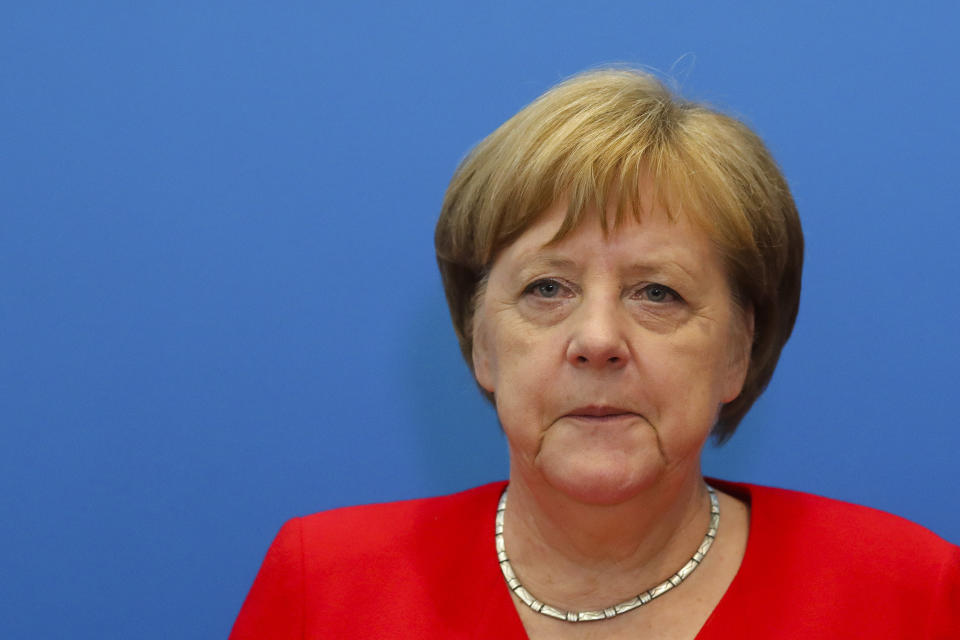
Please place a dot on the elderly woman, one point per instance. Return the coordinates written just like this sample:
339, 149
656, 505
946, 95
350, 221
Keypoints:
623, 270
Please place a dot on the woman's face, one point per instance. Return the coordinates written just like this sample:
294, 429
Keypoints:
609, 356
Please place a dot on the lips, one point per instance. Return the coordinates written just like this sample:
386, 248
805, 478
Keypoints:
599, 412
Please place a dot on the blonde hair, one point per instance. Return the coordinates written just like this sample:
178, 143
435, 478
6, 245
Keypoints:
590, 140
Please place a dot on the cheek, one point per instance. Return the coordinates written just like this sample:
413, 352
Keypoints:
504, 348
689, 382
523, 368
486, 359
525, 376
739, 356
522, 409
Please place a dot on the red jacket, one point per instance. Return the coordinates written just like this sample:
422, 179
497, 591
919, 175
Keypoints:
814, 568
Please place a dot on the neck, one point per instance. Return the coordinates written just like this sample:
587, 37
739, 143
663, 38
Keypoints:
582, 556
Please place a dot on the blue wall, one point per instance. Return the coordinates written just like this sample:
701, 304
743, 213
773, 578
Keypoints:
219, 306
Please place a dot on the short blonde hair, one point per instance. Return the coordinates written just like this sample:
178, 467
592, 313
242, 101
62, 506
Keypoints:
590, 140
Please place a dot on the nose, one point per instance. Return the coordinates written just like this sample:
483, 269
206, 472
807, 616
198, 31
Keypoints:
598, 340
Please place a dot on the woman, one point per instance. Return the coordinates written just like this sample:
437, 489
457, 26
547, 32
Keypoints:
622, 269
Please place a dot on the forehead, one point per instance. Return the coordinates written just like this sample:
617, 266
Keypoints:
650, 239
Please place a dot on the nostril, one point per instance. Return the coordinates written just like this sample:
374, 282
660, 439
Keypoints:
581, 359
613, 359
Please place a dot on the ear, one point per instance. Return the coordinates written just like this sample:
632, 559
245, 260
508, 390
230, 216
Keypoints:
742, 348
482, 367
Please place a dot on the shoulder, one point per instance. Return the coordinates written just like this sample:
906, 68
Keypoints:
391, 524
807, 519
819, 556
406, 561
411, 545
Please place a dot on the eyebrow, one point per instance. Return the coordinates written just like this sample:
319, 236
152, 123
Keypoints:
548, 261
669, 267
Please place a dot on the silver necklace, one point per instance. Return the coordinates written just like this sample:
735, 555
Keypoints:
617, 609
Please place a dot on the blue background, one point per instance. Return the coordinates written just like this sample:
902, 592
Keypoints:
219, 306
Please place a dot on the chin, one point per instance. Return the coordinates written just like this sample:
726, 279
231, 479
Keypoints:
601, 480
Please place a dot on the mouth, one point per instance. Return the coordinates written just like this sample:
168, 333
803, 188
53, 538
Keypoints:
600, 413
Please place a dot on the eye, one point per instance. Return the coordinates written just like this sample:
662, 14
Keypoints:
659, 293
546, 288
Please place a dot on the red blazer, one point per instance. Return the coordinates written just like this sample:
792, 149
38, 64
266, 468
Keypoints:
814, 568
